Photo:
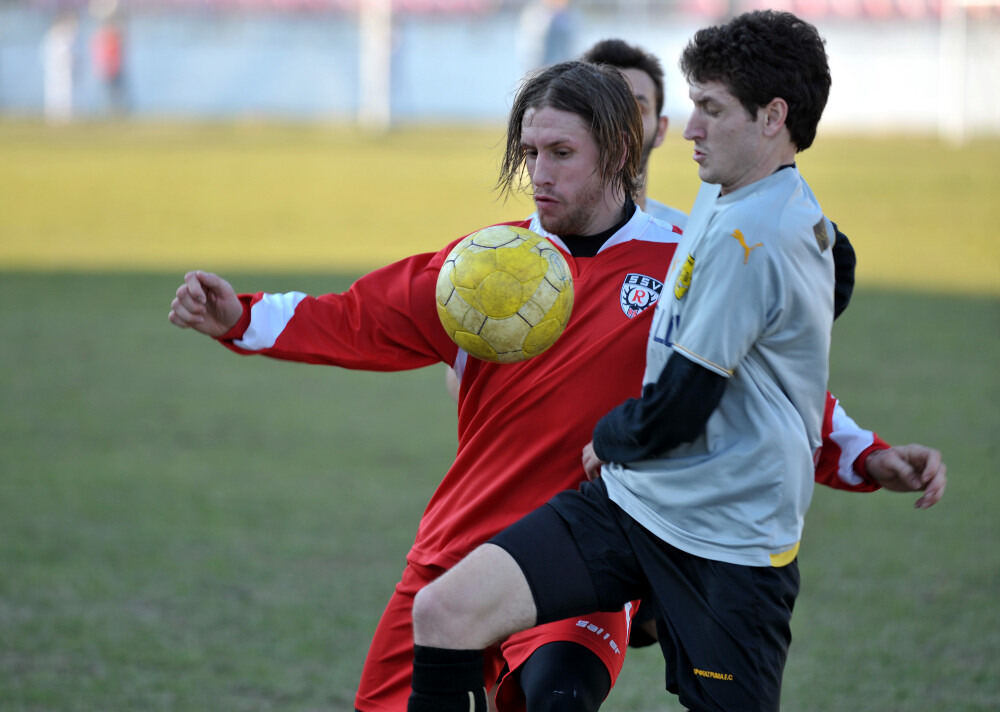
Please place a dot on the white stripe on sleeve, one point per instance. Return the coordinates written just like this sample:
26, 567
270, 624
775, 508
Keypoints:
852, 440
268, 319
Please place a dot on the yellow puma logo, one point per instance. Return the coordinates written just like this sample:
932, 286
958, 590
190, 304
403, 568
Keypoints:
743, 243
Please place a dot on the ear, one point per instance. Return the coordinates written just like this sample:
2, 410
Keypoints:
661, 131
774, 115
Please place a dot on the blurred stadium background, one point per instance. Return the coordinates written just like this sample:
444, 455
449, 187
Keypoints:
925, 65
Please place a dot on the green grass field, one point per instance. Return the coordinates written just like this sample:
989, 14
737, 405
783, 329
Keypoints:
185, 529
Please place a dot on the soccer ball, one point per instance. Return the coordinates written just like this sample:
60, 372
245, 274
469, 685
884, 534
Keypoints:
504, 294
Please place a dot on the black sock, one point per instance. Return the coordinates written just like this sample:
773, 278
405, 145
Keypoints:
447, 680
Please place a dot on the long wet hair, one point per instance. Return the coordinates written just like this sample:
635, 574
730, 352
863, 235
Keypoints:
601, 97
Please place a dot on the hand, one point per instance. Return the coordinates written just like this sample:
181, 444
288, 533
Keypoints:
591, 462
206, 303
910, 468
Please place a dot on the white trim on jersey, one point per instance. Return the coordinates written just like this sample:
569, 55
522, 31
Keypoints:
268, 318
852, 440
665, 213
641, 226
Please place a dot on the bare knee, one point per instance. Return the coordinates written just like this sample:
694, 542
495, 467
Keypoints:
440, 620
481, 600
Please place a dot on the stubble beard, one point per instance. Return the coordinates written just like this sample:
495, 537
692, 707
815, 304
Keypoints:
578, 215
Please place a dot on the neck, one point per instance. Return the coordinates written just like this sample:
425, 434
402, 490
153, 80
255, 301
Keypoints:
640, 196
616, 205
770, 161
589, 245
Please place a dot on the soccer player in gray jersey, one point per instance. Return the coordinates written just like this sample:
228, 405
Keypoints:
705, 479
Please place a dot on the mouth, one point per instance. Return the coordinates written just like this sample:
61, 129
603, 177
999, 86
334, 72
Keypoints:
698, 155
544, 200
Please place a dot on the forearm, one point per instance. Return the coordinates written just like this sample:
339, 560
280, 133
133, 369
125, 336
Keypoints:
841, 461
671, 411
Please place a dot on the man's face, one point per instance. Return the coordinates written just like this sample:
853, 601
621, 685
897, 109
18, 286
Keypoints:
654, 126
729, 145
562, 160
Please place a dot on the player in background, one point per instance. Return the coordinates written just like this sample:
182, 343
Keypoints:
702, 513
645, 76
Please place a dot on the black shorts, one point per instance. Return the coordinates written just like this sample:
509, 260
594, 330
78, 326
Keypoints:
724, 628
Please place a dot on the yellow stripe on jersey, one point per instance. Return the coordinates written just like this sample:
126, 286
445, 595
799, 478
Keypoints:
707, 363
785, 557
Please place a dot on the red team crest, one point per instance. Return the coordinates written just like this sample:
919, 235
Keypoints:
639, 292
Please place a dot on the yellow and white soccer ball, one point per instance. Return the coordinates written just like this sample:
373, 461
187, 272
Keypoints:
504, 294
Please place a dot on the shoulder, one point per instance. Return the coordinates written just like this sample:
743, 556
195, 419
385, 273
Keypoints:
667, 214
647, 227
778, 210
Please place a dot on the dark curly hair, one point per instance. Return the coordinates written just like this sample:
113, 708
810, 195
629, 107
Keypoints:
602, 98
763, 55
622, 55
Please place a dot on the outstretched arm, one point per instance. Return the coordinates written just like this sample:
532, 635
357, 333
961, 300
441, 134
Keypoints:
206, 303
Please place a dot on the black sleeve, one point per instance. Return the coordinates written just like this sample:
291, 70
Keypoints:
671, 411
844, 261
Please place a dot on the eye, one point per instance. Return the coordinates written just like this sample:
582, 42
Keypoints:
709, 109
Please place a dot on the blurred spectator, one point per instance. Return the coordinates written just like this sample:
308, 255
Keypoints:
547, 33
107, 53
59, 67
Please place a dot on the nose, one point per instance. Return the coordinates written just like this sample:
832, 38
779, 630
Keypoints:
540, 171
694, 129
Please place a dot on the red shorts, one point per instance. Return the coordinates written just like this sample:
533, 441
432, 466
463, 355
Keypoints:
385, 679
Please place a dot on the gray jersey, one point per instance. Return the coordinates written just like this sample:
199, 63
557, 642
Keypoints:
749, 295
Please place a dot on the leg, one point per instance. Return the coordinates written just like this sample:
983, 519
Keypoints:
478, 601
547, 566
481, 600
600, 636
724, 628
564, 677
643, 632
386, 676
